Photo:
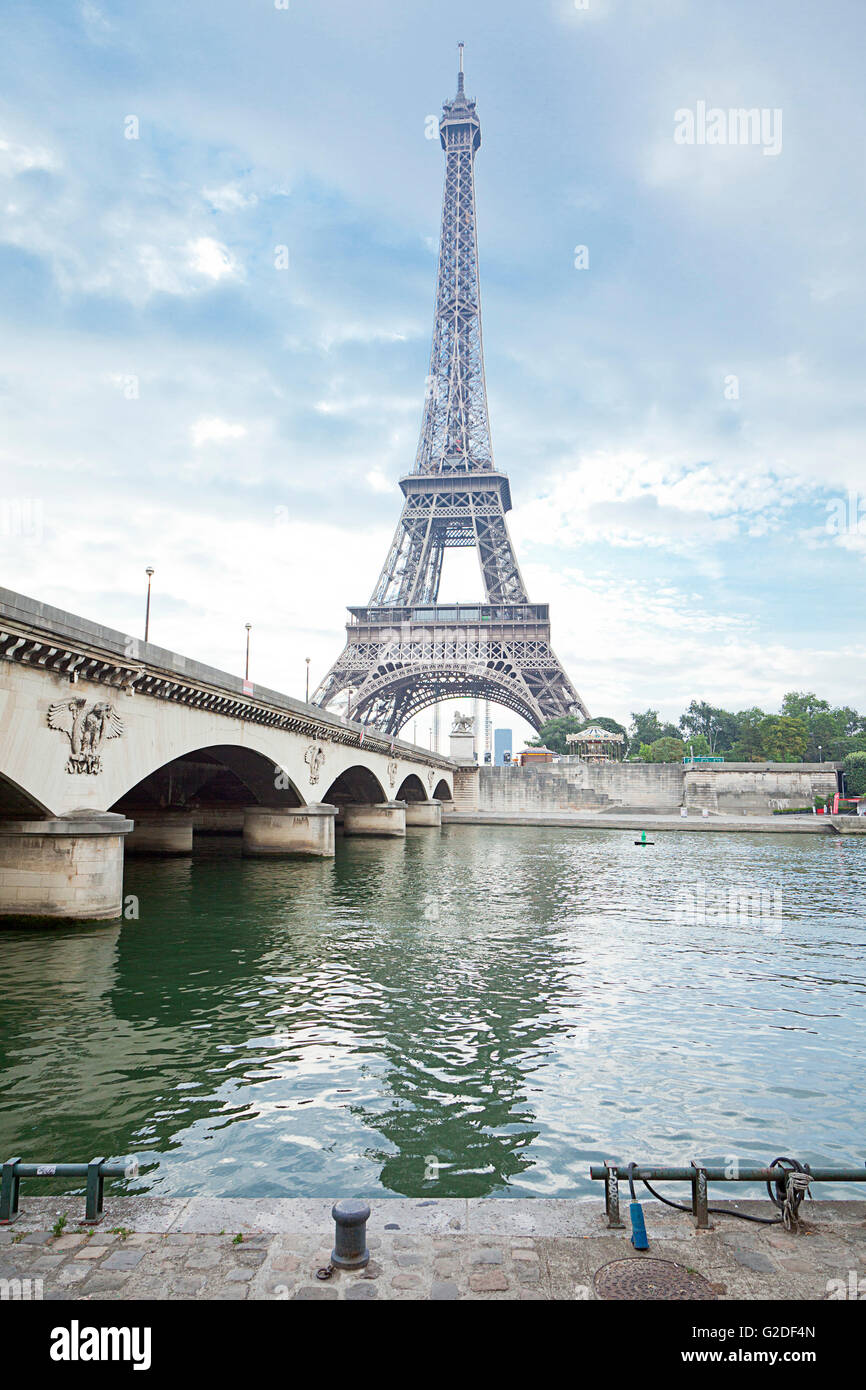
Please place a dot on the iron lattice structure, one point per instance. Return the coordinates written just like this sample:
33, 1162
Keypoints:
404, 650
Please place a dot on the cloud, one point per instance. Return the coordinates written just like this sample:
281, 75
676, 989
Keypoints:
211, 258
17, 158
153, 349
229, 198
213, 430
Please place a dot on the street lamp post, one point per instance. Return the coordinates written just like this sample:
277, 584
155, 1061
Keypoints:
307, 659
247, 668
349, 695
149, 572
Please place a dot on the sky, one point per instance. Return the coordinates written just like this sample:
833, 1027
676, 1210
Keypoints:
217, 261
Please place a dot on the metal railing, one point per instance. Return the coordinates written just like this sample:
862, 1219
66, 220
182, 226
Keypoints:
698, 1175
95, 1172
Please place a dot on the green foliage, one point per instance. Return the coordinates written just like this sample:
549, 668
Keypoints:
646, 728
718, 727
783, 738
830, 733
854, 768
552, 734
698, 745
748, 747
806, 728
667, 750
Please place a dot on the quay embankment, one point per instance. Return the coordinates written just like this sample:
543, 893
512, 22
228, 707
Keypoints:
451, 1249
596, 820
776, 798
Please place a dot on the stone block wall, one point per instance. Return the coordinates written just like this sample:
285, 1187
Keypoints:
723, 789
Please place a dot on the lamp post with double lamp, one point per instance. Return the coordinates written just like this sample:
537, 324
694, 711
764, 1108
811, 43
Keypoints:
350, 692
307, 659
247, 666
150, 573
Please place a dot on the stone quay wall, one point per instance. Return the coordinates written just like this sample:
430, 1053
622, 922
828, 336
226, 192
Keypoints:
572, 785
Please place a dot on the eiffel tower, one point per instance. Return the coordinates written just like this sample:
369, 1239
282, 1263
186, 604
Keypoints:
404, 650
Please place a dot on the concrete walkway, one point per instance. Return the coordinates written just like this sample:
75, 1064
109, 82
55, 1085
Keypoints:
509, 1249
598, 820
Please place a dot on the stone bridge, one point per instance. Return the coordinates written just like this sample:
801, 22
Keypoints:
106, 740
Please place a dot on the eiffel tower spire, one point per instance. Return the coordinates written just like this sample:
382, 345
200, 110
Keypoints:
404, 650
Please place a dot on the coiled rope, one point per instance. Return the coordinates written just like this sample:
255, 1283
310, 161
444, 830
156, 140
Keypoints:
788, 1196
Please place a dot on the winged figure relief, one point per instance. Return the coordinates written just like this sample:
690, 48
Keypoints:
86, 730
314, 757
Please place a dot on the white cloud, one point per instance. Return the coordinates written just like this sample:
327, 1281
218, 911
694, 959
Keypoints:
211, 429
627, 500
377, 481
18, 159
229, 198
211, 258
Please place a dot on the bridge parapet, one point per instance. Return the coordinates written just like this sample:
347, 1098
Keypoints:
76, 649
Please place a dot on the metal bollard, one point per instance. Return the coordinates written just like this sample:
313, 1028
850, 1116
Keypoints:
350, 1242
611, 1195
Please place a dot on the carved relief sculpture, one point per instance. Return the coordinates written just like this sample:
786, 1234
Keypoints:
314, 757
86, 731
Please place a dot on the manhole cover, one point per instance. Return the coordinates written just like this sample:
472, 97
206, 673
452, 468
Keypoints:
659, 1279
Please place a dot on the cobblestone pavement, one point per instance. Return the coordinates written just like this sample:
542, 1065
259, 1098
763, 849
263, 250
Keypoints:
152, 1248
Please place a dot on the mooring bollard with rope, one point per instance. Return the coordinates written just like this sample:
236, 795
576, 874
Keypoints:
788, 1182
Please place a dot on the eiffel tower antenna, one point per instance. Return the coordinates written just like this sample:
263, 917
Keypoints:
405, 650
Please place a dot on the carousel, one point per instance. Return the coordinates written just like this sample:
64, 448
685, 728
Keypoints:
597, 745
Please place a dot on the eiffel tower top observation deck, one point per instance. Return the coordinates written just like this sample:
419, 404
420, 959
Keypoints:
404, 650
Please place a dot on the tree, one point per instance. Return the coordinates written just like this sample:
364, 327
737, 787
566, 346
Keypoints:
718, 726
830, 733
667, 750
854, 768
783, 738
801, 704
697, 744
552, 733
646, 728
748, 747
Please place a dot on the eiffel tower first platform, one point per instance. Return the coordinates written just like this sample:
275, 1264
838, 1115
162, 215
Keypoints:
404, 650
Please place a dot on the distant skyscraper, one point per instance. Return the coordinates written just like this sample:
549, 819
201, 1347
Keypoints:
501, 746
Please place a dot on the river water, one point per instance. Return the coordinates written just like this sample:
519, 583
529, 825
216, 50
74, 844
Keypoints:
469, 1012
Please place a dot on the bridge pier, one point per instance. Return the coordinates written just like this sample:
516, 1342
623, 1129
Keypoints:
424, 813
278, 830
383, 818
70, 868
160, 832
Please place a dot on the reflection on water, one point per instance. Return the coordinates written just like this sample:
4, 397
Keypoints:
477, 1011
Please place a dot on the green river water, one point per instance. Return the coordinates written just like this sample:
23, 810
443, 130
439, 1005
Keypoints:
468, 1012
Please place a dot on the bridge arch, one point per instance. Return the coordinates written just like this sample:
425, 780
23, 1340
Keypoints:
356, 785
395, 692
442, 791
411, 789
218, 776
16, 803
